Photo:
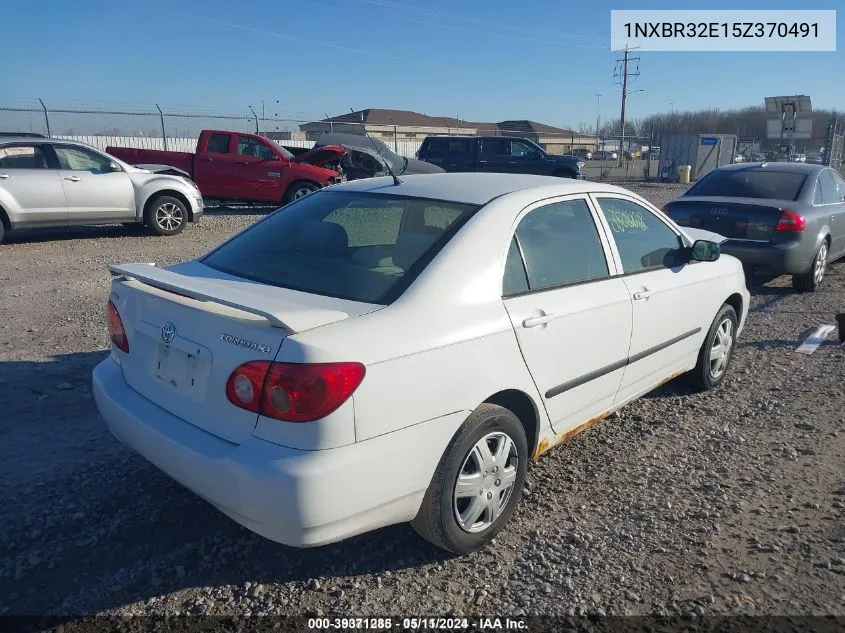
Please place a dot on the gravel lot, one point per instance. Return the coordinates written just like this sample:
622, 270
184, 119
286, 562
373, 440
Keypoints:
725, 503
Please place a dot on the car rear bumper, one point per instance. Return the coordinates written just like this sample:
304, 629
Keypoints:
767, 257
295, 497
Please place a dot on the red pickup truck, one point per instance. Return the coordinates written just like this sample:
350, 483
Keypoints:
240, 166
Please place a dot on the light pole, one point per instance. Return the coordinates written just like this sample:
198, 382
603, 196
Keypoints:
672, 104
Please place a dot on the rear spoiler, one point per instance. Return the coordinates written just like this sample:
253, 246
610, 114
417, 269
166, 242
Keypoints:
288, 315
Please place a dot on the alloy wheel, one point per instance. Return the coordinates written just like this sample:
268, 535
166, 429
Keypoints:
168, 216
820, 264
720, 352
485, 482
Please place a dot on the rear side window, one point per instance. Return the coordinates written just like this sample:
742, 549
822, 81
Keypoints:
560, 245
496, 146
22, 157
219, 143
750, 183
357, 246
827, 189
248, 146
443, 145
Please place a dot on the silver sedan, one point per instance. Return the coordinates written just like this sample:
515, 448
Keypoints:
49, 182
781, 218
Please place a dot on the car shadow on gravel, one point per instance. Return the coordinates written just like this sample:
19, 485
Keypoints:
108, 520
239, 210
37, 236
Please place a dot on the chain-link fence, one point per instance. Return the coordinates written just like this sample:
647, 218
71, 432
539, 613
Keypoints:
608, 158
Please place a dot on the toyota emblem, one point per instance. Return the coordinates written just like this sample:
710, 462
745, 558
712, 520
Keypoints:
167, 332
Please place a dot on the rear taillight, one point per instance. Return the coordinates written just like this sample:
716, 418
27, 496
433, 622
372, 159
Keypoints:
790, 221
116, 332
293, 392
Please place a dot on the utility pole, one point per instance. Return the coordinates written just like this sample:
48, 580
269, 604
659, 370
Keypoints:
598, 113
625, 76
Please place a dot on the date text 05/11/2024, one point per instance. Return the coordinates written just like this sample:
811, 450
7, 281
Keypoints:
411, 624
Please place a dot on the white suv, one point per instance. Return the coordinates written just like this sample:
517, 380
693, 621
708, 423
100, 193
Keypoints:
46, 182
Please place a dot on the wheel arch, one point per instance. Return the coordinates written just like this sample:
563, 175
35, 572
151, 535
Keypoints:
4, 219
296, 182
736, 302
173, 193
524, 408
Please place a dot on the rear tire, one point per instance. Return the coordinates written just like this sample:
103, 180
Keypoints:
166, 216
2, 231
812, 279
298, 190
716, 352
452, 516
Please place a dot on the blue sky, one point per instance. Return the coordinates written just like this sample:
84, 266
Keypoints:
480, 60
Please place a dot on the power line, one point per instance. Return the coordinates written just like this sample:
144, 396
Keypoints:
242, 27
479, 21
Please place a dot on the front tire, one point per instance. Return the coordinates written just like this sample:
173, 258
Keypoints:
478, 482
564, 174
299, 189
716, 353
812, 279
166, 216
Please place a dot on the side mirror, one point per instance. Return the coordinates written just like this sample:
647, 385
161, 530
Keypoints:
114, 167
704, 251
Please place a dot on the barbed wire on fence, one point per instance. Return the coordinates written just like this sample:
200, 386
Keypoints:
145, 128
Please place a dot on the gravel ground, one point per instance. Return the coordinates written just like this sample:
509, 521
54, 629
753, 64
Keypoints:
723, 503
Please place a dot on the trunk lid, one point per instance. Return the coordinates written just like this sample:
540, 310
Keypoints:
752, 220
190, 326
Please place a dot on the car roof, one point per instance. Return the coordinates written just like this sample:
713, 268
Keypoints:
487, 136
40, 140
779, 167
346, 138
470, 187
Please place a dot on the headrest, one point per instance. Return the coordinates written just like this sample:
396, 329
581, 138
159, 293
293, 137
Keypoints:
323, 238
409, 247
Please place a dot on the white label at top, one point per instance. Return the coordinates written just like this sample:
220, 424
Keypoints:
763, 30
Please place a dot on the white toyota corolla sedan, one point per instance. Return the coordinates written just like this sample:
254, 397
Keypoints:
377, 353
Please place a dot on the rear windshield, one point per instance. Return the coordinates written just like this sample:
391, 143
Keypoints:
358, 246
750, 183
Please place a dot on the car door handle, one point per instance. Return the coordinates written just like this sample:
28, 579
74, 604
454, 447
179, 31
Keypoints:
208, 160
538, 320
645, 293
73, 178
4, 176
242, 162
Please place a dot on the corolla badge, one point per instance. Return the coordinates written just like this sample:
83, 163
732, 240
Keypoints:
168, 332
242, 342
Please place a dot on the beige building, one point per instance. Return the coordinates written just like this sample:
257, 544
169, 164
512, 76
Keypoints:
405, 125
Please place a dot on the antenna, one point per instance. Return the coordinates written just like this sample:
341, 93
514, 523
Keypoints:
396, 181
